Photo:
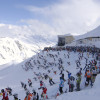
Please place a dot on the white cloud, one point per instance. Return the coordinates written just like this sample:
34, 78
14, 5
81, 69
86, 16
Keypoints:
2, 25
76, 16
39, 27
34, 30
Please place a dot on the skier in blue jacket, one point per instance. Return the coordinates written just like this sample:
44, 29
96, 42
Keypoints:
61, 85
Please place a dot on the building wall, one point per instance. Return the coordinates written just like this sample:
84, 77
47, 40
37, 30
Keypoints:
87, 40
62, 40
69, 39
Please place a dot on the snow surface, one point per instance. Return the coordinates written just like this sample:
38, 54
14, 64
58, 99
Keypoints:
18, 43
17, 50
12, 75
93, 33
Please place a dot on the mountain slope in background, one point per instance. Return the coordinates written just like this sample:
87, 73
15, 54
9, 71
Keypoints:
93, 33
19, 43
16, 50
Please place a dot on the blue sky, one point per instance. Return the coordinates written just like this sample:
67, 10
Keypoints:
12, 11
53, 16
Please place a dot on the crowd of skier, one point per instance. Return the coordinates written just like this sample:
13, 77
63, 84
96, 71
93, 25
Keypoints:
90, 71
74, 48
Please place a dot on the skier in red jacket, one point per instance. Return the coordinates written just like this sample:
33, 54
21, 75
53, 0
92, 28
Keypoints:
44, 93
5, 95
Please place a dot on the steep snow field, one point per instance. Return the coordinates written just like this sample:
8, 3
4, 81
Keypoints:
18, 43
93, 33
12, 76
17, 50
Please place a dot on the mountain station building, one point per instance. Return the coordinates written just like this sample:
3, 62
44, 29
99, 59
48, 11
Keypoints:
65, 39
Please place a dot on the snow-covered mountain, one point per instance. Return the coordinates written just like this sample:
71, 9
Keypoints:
93, 33
17, 50
14, 50
19, 43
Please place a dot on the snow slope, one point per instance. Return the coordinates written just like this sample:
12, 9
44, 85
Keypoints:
21, 42
12, 75
16, 50
93, 33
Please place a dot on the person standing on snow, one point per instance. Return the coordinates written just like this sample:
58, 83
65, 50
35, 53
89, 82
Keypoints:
29, 82
63, 77
51, 81
61, 85
25, 87
42, 85
35, 95
9, 90
5, 95
78, 81
71, 83
88, 77
44, 93
15, 97
28, 96
22, 84
94, 74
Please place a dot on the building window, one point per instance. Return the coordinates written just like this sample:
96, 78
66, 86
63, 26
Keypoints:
61, 41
